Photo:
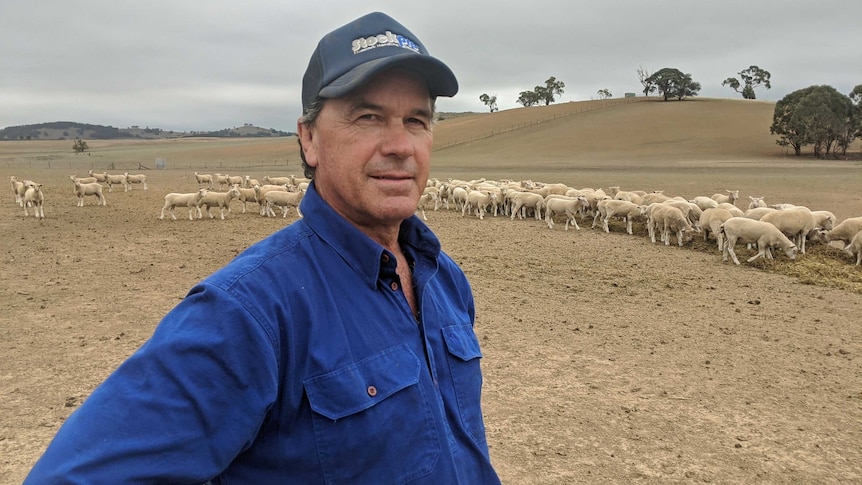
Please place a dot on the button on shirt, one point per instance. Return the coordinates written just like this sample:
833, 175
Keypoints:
296, 363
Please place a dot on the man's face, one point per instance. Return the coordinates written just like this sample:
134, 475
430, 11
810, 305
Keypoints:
371, 150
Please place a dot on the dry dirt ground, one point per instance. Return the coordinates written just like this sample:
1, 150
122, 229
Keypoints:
607, 359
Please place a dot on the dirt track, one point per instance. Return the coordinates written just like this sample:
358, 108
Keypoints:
607, 359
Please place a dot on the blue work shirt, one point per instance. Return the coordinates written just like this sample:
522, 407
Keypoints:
299, 362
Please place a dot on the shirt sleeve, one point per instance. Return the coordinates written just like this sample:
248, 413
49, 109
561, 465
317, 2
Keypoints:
178, 410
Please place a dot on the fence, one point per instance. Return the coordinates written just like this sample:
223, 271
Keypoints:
126, 166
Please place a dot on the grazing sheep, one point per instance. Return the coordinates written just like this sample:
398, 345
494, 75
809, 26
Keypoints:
607, 208
730, 197
736, 211
113, 180
521, 201
670, 220
854, 247
783, 206
756, 202
221, 200
192, 201
654, 198
93, 188
260, 194
689, 209
795, 223
629, 197
33, 197
83, 180
204, 178
100, 177
704, 202
844, 231
758, 212
283, 199
135, 179
570, 206
711, 221
764, 234
424, 200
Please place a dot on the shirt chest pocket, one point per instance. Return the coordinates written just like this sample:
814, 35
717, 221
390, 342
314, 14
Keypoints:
464, 357
372, 420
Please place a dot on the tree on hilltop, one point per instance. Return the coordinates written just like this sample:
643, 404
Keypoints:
604, 94
643, 77
751, 78
490, 101
673, 83
819, 116
542, 94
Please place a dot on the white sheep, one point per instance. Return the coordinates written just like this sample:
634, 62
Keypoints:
113, 180
655, 198
100, 177
764, 234
756, 202
795, 223
783, 206
425, 200
135, 179
17, 189
246, 196
570, 206
629, 197
283, 199
854, 247
93, 188
711, 221
221, 200
83, 180
730, 197
736, 211
33, 197
276, 180
260, 194
757, 213
249, 182
670, 220
235, 180
607, 208
845, 231
521, 201
704, 202
192, 201
221, 180
204, 179
479, 200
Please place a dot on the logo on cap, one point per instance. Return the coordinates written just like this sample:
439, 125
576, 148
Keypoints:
364, 44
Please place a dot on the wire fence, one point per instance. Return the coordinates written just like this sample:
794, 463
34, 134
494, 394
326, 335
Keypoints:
125, 166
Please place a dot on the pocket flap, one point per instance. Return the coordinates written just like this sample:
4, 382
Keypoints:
363, 384
462, 342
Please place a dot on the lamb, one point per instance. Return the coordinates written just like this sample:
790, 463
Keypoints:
33, 197
756, 202
757, 213
689, 209
100, 177
629, 196
17, 189
730, 197
711, 221
234, 180
607, 208
249, 182
276, 180
480, 200
112, 180
570, 206
654, 198
285, 200
736, 211
93, 188
83, 180
204, 178
704, 202
424, 200
795, 223
521, 201
764, 234
671, 220
221, 180
247, 195
297, 181
260, 194
854, 247
135, 179
845, 231
221, 200
192, 201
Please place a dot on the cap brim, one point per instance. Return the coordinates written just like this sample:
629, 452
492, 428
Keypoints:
440, 79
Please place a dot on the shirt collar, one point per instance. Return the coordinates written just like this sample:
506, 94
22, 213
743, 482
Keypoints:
359, 251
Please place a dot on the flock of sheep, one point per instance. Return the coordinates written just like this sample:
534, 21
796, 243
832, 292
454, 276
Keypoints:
783, 226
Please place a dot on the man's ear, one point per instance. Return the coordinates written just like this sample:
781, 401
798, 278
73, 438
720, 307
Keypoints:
306, 143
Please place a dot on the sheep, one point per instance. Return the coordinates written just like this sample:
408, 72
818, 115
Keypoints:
736, 211
783, 206
757, 213
204, 178
459, 197
93, 188
294, 180
192, 201
689, 209
246, 196
654, 198
276, 180
249, 182
221, 200
764, 234
711, 220
17, 189
795, 223
260, 194
756, 202
221, 180
285, 200
854, 247
730, 197
629, 196
234, 180
844, 231
100, 177
424, 200
570, 206
671, 220
135, 179
83, 180
521, 201
480, 200
607, 208
33, 197
112, 180
704, 202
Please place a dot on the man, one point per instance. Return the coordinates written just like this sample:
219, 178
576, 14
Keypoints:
339, 350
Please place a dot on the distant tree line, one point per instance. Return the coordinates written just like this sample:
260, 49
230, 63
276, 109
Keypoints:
818, 116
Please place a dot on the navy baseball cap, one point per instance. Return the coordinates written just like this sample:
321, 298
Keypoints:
351, 55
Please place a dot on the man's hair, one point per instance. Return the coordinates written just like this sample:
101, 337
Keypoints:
309, 117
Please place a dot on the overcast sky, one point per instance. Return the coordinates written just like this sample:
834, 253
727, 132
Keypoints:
206, 65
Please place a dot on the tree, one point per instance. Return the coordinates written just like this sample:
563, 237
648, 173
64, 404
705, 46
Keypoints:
817, 115
490, 101
80, 146
528, 98
643, 77
751, 78
672, 83
550, 90
604, 94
